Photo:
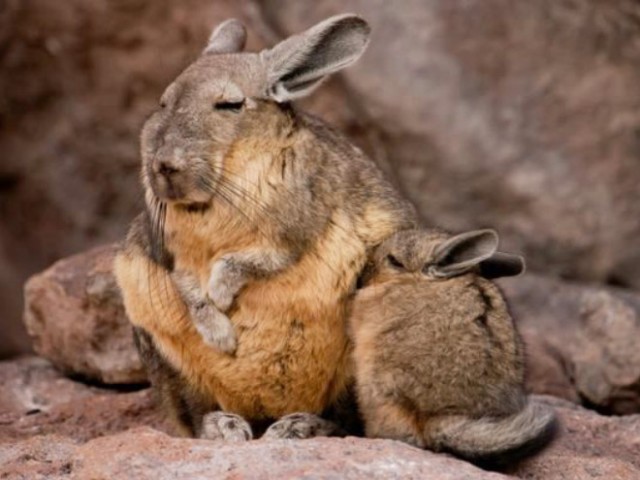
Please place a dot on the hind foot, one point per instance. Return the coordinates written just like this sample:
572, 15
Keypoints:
225, 426
300, 426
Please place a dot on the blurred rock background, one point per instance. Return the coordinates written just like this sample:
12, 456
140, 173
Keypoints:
519, 115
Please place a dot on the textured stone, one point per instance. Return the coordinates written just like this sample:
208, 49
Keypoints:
584, 339
36, 400
589, 446
54, 427
75, 317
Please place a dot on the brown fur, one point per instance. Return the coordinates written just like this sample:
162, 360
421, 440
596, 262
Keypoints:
263, 178
434, 351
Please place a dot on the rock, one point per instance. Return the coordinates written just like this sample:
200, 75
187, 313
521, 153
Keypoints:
513, 114
39, 458
32, 385
589, 446
584, 340
76, 319
144, 453
38, 400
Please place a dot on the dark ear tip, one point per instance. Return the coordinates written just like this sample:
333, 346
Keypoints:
353, 22
503, 265
489, 232
523, 265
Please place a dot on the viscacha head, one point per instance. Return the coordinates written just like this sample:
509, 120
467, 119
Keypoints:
228, 99
438, 256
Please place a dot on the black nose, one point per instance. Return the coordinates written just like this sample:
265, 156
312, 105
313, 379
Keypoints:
166, 169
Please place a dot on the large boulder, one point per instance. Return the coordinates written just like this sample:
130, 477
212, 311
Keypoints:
584, 339
36, 399
514, 114
54, 427
100, 434
76, 319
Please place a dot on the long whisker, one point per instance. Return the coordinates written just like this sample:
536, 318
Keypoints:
226, 186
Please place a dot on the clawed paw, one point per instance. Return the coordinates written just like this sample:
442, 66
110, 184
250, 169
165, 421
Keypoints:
225, 426
224, 284
215, 328
300, 426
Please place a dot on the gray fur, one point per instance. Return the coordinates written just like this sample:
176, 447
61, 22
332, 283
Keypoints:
313, 186
439, 362
483, 437
300, 63
462, 253
229, 37
213, 325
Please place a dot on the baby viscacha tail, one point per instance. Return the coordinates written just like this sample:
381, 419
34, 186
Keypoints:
494, 442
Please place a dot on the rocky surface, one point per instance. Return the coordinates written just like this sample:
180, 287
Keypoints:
36, 399
583, 341
75, 318
52, 427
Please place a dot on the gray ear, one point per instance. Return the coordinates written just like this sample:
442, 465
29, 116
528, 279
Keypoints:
461, 253
228, 37
300, 63
502, 265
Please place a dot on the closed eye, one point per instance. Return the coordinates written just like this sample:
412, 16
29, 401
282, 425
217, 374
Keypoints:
394, 262
229, 106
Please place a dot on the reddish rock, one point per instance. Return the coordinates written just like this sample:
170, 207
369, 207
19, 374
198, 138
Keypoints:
32, 384
588, 446
37, 400
583, 340
75, 317
78, 431
46, 457
144, 453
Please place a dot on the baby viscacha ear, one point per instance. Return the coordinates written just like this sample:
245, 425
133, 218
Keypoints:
462, 253
297, 65
502, 265
228, 37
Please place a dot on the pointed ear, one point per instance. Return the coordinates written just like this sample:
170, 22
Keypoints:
300, 63
461, 253
228, 37
502, 265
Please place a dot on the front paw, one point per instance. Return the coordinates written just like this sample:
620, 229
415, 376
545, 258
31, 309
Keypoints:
215, 328
225, 426
224, 284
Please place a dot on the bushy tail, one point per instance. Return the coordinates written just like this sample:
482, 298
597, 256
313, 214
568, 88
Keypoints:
494, 442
